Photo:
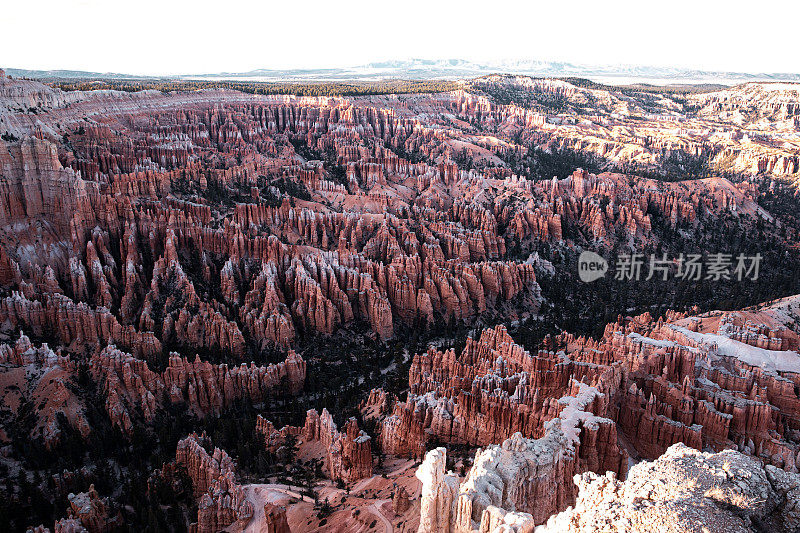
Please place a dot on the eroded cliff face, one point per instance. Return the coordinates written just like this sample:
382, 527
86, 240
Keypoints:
43, 388
349, 452
492, 390
701, 381
521, 482
644, 130
194, 222
159, 242
87, 513
712, 390
129, 241
90, 510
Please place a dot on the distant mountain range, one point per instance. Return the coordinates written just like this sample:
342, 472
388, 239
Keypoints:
449, 69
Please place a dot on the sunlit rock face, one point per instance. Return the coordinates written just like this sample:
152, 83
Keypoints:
153, 245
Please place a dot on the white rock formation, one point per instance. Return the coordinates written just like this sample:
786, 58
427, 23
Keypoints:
685, 491
499, 479
439, 491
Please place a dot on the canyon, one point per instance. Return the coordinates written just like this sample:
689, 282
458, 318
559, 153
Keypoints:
272, 313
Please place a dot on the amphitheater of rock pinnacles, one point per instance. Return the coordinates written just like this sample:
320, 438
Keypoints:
268, 313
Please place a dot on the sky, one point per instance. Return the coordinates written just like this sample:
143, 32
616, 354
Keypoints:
194, 37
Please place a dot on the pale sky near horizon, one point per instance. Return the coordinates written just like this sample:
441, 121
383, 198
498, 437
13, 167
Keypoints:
183, 37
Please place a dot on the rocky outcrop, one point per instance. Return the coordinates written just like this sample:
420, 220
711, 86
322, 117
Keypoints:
492, 390
222, 501
686, 490
439, 493
87, 514
679, 389
75, 325
348, 453
521, 482
186, 319
376, 404
36, 186
400, 500
202, 467
662, 383
89, 510
37, 376
644, 386
224, 505
274, 520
